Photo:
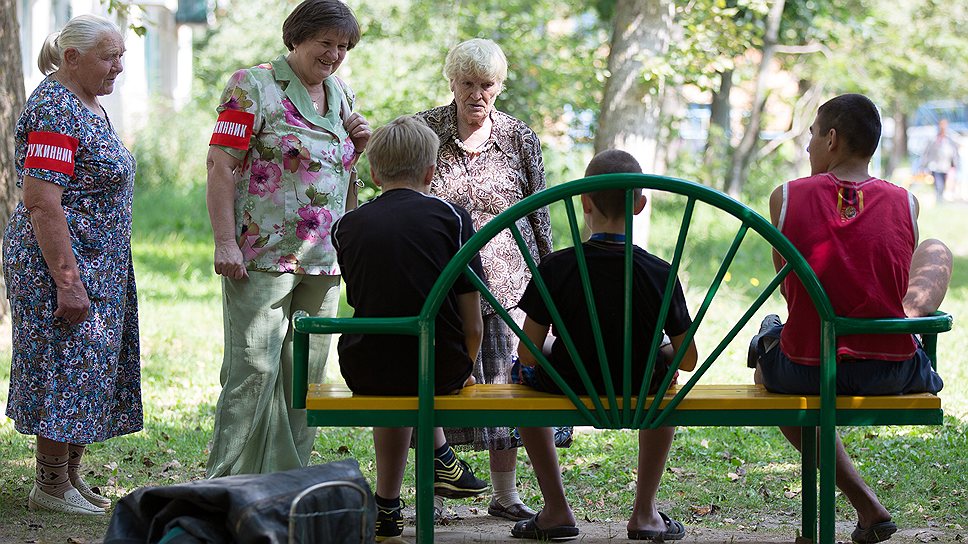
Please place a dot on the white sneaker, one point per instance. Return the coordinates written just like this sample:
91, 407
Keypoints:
72, 503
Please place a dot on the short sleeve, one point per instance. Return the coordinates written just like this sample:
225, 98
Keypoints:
51, 135
239, 114
531, 303
678, 321
463, 285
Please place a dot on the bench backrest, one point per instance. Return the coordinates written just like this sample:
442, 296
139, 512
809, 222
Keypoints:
618, 407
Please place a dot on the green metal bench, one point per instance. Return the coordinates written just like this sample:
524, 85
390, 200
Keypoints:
689, 404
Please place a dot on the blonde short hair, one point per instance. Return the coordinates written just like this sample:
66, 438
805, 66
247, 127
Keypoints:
402, 150
477, 58
82, 33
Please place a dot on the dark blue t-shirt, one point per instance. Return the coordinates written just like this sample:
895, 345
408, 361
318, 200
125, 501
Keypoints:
606, 269
391, 251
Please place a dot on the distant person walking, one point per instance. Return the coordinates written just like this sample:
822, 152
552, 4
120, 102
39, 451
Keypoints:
940, 158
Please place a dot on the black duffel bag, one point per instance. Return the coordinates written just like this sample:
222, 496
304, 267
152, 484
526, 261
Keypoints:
329, 503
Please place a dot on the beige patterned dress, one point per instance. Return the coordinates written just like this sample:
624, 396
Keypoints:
508, 169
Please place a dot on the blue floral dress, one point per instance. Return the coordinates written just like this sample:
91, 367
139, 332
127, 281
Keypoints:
82, 383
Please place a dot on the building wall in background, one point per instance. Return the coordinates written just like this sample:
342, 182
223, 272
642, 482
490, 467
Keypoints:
157, 67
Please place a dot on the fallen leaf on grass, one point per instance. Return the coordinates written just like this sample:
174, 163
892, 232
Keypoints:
704, 510
172, 465
342, 450
733, 476
790, 494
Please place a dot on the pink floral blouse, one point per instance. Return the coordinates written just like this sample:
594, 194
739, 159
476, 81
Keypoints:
508, 169
296, 165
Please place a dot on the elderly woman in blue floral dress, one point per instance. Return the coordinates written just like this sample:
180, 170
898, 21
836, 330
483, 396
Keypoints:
75, 375
279, 169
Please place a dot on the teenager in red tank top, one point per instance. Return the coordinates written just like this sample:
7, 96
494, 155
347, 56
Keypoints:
859, 238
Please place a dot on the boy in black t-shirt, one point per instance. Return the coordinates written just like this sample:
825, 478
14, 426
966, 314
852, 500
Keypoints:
391, 251
604, 253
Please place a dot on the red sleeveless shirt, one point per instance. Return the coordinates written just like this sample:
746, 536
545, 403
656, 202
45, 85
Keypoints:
859, 239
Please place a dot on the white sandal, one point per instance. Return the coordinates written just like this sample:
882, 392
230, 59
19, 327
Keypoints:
97, 500
72, 503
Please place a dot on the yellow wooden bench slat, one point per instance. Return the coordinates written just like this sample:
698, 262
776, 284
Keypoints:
702, 397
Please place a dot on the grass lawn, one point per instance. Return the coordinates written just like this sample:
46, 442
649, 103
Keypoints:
741, 479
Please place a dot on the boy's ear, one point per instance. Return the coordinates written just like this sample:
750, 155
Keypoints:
638, 205
375, 176
833, 139
586, 203
428, 176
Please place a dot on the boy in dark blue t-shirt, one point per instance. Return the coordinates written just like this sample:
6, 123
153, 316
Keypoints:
604, 253
391, 251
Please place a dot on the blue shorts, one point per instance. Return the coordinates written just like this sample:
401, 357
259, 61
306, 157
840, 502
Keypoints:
524, 375
856, 377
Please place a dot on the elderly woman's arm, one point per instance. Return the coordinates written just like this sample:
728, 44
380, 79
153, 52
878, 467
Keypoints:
43, 200
535, 175
220, 197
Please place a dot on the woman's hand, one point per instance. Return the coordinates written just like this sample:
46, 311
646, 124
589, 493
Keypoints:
72, 303
359, 130
228, 261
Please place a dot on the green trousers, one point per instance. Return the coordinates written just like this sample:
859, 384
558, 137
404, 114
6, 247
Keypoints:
256, 431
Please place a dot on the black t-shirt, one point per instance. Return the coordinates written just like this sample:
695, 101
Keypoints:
391, 251
606, 269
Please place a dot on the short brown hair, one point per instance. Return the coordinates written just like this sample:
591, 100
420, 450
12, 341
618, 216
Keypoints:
402, 150
856, 120
611, 202
313, 16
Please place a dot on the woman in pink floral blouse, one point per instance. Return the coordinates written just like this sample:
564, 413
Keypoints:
487, 162
279, 168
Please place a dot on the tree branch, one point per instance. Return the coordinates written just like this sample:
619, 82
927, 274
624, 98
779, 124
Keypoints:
803, 49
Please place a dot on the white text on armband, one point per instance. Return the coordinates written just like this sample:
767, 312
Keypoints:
45, 151
232, 129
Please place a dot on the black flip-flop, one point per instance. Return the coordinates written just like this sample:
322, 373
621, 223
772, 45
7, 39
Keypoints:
878, 532
674, 531
528, 528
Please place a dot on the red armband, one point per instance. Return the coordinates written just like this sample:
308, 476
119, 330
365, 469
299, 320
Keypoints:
233, 129
51, 151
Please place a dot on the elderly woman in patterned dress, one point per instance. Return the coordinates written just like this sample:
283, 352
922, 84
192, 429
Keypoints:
487, 162
75, 375
280, 169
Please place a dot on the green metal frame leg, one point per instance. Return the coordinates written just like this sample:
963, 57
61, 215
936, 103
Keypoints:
808, 477
828, 482
424, 459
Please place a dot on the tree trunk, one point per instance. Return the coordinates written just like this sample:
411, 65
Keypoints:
719, 133
632, 105
11, 102
899, 149
741, 157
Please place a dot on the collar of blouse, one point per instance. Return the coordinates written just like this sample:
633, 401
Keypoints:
299, 96
502, 128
